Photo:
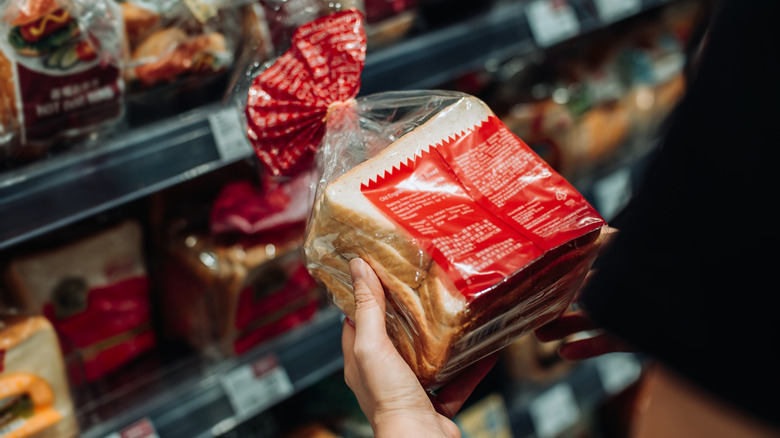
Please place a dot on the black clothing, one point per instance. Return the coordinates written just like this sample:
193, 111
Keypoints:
690, 278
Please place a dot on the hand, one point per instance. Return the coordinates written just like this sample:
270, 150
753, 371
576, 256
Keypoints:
597, 343
386, 388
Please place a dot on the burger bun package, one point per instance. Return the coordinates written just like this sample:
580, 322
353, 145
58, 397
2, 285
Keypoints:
475, 239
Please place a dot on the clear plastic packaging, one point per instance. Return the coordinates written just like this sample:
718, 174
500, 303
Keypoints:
95, 292
35, 399
475, 239
240, 281
60, 67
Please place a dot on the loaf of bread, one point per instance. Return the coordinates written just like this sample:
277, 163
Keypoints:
438, 319
234, 295
95, 291
34, 395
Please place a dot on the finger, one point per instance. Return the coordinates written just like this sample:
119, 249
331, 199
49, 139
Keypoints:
369, 301
567, 324
449, 399
591, 347
348, 348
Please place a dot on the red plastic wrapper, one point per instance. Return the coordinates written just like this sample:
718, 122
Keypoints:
474, 237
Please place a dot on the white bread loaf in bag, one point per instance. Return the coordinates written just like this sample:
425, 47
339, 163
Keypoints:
437, 327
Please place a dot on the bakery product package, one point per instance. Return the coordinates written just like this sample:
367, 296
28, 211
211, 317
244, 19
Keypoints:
35, 398
95, 291
60, 70
476, 239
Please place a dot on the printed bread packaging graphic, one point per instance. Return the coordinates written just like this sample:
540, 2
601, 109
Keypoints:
61, 64
96, 294
34, 397
474, 237
244, 281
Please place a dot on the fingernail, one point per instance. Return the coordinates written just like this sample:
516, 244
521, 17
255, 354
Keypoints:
357, 269
350, 322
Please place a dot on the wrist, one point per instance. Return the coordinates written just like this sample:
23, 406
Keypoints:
410, 423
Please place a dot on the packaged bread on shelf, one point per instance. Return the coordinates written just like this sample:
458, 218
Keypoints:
95, 292
474, 237
60, 73
34, 395
242, 281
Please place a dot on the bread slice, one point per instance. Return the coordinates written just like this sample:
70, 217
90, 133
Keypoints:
433, 325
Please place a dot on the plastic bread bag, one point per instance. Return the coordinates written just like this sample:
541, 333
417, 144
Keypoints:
476, 239
179, 53
285, 16
60, 62
36, 399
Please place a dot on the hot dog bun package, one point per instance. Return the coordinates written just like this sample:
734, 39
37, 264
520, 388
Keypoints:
34, 396
60, 72
475, 238
95, 292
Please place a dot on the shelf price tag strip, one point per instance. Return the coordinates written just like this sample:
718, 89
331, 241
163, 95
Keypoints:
552, 21
613, 10
554, 411
254, 387
142, 428
229, 135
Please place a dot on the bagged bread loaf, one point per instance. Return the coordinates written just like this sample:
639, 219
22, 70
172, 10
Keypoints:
475, 239
34, 395
95, 291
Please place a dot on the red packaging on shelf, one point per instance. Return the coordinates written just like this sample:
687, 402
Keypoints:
243, 282
95, 292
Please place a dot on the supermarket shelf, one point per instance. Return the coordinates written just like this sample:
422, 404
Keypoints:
555, 409
56, 192
200, 406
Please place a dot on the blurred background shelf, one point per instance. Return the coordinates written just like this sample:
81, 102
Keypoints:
194, 401
133, 163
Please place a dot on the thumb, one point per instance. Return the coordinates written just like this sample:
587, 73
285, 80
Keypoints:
369, 300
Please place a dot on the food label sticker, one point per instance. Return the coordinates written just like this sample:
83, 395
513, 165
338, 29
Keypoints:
552, 21
254, 387
613, 10
142, 428
617, 371
229, 135
554, 411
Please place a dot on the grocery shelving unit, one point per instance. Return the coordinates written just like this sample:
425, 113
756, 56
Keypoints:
50, 194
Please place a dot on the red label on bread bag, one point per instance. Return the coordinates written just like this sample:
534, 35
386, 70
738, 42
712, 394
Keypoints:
483, 205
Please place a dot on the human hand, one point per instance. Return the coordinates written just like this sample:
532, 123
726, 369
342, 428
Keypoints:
386, 388
596, 341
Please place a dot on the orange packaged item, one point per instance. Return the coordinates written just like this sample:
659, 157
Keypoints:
34, 397
475, 238
96, 294
60, 63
